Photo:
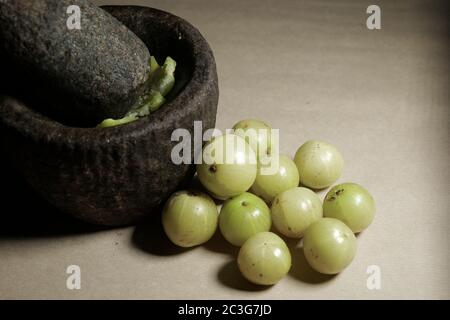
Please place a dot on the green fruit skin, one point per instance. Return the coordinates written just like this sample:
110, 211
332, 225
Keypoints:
269, 186
350, 203
242, 217
225, 180
189, 219
329, 246
261, 142
319, 164
264, 259
294, 210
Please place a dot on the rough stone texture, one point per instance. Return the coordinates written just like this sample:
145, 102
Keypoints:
114, 176
81, 76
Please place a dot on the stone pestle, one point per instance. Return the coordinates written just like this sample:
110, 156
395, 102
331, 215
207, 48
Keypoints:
77, 71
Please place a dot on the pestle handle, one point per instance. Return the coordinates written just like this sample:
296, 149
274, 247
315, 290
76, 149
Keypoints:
90, 74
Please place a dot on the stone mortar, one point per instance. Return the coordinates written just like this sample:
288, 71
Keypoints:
115, 176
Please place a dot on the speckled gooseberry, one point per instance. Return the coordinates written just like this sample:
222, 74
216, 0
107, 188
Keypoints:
319, 164
267, 186
294, 210
189, 218
350, 203
242, 217
329, 245
228, 167
257, 133
264, 259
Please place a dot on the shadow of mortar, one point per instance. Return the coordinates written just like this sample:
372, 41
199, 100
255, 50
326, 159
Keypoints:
25, 214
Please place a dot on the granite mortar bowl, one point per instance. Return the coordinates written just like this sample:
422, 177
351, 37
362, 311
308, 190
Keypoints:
115, 176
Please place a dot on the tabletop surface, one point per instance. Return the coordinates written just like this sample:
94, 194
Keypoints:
313, 70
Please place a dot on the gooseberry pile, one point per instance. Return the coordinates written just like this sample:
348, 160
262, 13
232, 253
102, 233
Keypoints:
232, 171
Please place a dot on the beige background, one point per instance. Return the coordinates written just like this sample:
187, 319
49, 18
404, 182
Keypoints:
312, 69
